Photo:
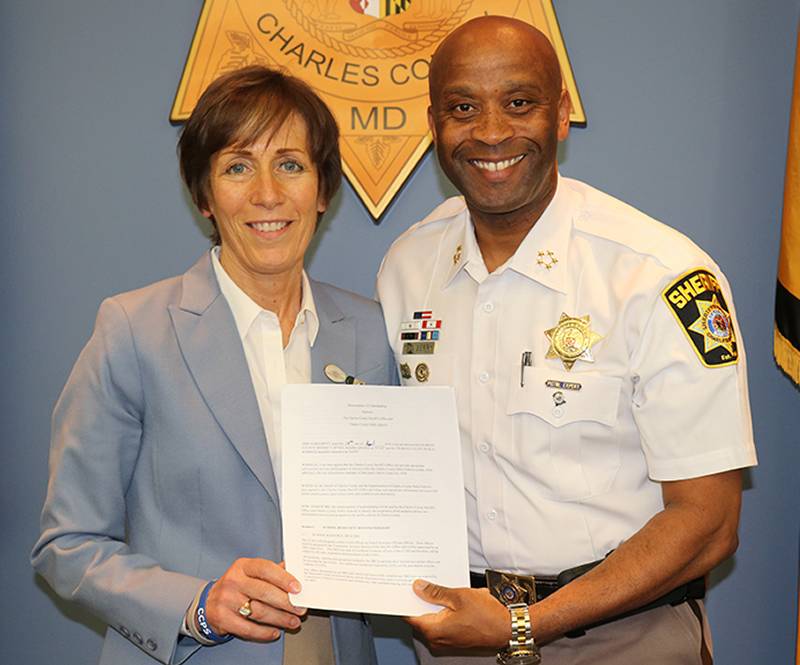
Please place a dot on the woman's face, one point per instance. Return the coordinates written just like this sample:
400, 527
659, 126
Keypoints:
265, 199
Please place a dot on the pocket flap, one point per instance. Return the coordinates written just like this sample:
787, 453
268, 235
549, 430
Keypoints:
561, 398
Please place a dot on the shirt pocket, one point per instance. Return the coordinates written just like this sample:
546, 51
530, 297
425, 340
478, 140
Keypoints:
435, 369
563, 436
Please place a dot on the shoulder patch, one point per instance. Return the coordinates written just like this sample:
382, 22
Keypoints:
696, 300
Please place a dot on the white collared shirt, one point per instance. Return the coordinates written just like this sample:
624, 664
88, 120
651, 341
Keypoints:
550, 485
271, 366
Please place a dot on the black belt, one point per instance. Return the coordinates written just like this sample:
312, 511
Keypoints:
543, 584
511, 588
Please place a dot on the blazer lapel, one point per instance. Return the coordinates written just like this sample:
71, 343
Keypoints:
336, 339
213, 352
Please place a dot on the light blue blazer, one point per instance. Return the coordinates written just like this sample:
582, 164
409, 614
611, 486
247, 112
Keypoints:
159, 474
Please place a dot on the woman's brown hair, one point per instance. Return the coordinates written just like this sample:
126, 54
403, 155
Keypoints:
240, 106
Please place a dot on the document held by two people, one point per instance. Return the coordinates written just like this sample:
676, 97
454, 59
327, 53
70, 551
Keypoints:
373, 495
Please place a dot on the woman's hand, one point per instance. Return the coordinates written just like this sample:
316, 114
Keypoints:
266, 585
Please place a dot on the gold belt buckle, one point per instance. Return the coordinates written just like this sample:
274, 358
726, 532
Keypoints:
511, 589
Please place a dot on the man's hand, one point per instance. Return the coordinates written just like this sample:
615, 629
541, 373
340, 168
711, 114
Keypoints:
471, 618
695, 531
266, 585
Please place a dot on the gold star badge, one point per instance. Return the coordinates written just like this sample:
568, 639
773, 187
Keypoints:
572, 340
714, 324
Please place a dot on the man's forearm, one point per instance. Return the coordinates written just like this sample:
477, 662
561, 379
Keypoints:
695, 531
692, 534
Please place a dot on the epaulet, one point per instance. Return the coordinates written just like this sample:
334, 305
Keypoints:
444, 212
448, 208
604, 216
427, 231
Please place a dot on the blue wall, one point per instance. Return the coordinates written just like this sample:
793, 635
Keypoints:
688, 107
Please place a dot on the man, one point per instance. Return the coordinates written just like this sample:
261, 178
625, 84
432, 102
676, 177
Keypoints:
599, 374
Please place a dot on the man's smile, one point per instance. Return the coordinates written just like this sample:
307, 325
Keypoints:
501, 165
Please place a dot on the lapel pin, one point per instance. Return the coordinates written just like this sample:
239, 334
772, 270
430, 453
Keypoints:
563, 385
338, 375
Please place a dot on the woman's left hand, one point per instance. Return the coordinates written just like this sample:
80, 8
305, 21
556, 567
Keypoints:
266, 585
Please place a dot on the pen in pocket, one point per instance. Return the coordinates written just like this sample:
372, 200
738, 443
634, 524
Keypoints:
526, 361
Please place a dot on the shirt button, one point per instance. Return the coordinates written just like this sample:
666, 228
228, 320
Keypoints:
558, 411
138, 639
491, 515
483, 377
488, 307
483, 447
151, 645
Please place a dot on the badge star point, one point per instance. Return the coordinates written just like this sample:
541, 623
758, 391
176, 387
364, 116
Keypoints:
572, 339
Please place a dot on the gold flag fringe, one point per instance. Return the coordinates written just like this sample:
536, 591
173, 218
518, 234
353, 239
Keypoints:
787, 357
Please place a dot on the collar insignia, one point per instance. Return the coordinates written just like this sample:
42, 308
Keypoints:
546, 258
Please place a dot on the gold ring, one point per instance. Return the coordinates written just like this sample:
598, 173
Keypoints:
245, 610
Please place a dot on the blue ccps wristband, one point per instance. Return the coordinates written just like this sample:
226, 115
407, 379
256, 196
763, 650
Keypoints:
201, 618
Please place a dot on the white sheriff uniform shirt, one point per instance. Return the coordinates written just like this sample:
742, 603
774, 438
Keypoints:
561, 469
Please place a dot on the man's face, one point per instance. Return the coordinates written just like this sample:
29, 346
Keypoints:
497, 114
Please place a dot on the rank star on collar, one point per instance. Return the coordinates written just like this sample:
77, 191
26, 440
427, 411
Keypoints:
546, 258
572, 340
714, 325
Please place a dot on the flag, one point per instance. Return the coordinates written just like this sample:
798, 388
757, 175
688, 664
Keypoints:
787, 298
380, 8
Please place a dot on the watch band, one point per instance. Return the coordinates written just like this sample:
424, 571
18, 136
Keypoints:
521, 636
522, 650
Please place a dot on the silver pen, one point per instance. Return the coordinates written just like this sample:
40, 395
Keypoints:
526, 361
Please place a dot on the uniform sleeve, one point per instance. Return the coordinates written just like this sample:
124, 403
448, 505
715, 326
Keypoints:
82, 552
690, 399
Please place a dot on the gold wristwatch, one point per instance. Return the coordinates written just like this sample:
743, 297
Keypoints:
521, 650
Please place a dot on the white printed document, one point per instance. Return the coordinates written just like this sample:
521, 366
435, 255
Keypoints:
373, 495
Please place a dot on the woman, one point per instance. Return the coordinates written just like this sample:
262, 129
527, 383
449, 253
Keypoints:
162, 513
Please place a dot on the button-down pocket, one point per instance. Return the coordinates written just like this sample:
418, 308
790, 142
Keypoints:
563, 431
435, 369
